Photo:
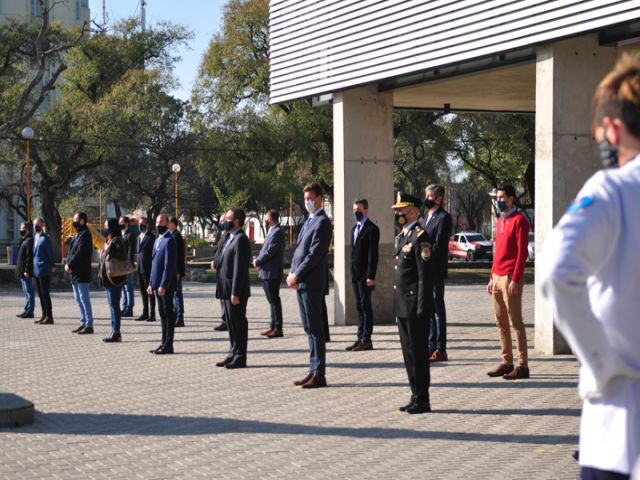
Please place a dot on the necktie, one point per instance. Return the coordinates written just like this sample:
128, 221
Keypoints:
304, 226
357, 232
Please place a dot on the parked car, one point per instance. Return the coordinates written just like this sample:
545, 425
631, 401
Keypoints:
470, 246
532, 246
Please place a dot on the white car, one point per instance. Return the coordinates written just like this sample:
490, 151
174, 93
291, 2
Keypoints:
470, 246
532, 246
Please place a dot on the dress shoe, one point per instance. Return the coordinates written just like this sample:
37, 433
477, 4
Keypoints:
225, 362
42, 319
152, 318
86, 331
415, 408
47, 321
502, 369
76, 330
517, 373
351, 347
275, 333
316, 381
115, 337
362, 346
406, 407
164, 351
127, 313
439, 356
27, 315
304, 380
142, 317
222, 327
20, 315
267, 332
179, 322
156, 349
236, 364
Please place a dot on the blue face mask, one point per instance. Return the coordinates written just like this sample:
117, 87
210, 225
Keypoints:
359, 216
227, 226
502, 205
105, 232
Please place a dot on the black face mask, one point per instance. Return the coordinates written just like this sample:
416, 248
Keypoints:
608, 154
23, 233
38, 228
429, 203
76, 225
401, 219
123, 226
143, 228
161, 229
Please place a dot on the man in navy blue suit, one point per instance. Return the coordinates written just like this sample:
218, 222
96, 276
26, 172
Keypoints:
163, 282
146, 239
42, 268
270, 264
308, 276
233, 287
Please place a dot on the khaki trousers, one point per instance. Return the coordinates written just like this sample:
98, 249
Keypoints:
508, 310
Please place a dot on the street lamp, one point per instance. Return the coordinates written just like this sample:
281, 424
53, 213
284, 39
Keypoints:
176, 169
27, 134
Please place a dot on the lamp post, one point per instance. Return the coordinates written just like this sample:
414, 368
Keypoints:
27, 134
176, 169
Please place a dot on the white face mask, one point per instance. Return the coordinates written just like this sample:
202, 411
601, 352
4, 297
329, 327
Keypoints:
310, 205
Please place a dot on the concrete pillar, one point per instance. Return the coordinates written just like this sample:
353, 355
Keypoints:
567, 73
363, 167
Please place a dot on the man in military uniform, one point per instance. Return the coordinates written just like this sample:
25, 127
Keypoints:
413, 299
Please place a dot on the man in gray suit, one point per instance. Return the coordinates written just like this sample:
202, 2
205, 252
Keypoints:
308, 277
269, 263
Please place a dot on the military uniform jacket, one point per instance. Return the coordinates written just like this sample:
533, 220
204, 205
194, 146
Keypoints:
413, 281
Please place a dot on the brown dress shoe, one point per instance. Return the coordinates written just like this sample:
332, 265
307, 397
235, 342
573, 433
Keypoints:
225, 362
351, 347
304, 380
503, 369
47, 321
517, 373
316, 381
267, 332
275, 333
41, 319
86, 331
362, 346
439, 356
76, 330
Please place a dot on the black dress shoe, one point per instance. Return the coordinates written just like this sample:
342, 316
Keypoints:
164, 351
41, 319
142, 317
115, 337
236, 364
156, 349
406, 407
27, 315
152, 318
222, 327
47, 321
76, 330
415, 408
87, 331
225, 362
127, 313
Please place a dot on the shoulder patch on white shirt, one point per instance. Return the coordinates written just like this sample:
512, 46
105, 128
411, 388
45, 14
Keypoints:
580, 204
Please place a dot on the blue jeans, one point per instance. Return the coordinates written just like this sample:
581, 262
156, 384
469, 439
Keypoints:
178, 300
81, 294
127, 293
438, 336
310, 304
29, 296
113, 299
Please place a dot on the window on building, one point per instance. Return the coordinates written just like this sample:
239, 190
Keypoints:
77, 9
36, 10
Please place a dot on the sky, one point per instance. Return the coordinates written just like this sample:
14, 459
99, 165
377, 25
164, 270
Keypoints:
203, 17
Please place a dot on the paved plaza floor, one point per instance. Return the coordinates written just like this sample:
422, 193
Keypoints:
116, 411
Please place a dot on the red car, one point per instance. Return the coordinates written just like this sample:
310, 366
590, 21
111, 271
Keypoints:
470, 246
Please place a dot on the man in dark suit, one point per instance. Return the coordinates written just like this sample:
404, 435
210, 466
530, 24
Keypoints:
128, 298
308, 277
42, 268
437, 226
24, 269
79, 266
214, 265
178, 300
413, 299
144, 250
162, 282
365, 237
233, 287
270, 262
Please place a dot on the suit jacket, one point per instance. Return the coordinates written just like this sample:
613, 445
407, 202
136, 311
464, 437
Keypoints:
42, 256
79, 256
145, 252
413, 275
131, 243
271, 256
218, 254
438, 230
233, 269
364, 252
163, 263
310, 258
25, 257
180, 246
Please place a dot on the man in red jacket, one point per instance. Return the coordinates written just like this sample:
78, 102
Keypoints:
506, 282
